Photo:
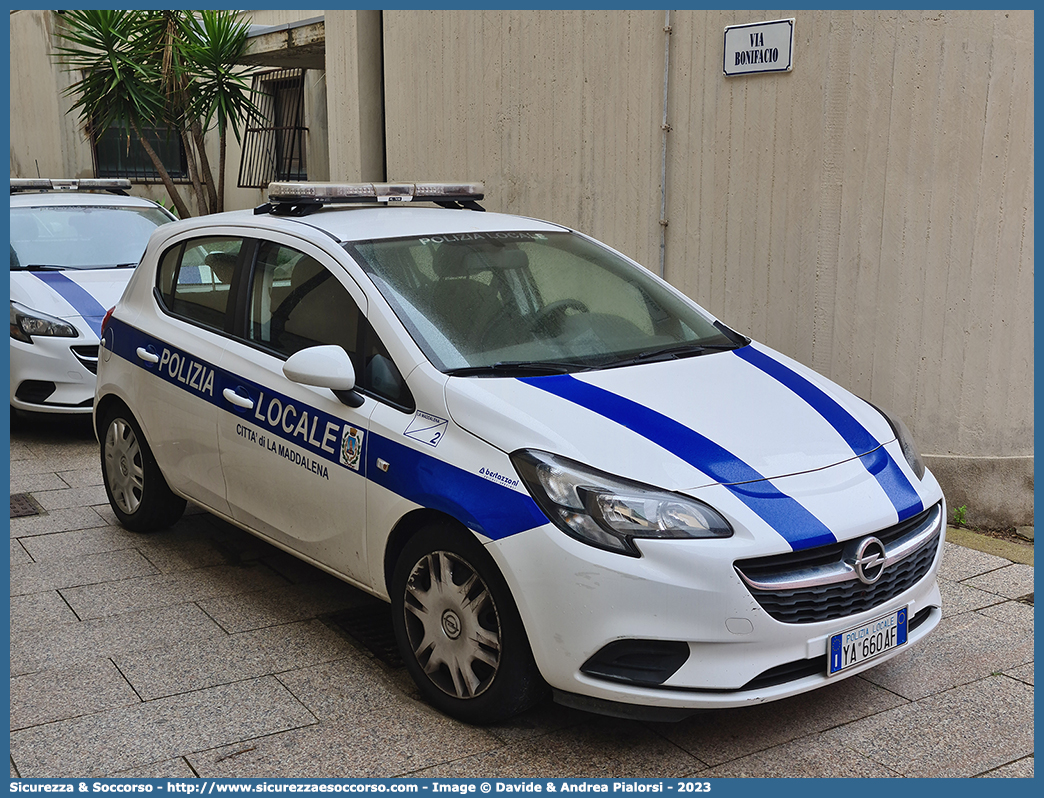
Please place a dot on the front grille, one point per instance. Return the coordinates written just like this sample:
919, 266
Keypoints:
819, 585
88, 356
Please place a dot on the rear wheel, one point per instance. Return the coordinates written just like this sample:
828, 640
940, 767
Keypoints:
458, 629
137, 491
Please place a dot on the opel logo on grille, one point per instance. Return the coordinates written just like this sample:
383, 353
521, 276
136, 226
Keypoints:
869, 560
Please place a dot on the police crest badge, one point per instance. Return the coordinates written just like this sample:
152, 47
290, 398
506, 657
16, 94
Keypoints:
351, 447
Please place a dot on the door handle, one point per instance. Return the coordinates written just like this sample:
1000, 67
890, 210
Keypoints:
147, 354
239, 401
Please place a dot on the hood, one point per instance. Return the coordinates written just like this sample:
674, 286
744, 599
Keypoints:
721, 418
72, 294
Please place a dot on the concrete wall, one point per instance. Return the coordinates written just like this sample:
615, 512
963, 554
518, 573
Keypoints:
869, 213
45, 140
355, 107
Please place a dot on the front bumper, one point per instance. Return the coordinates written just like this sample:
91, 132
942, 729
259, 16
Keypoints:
54, 375
576, 600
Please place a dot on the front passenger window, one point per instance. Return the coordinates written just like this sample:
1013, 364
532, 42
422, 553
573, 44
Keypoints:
297, 303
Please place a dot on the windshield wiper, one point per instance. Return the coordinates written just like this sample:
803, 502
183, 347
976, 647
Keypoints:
38, 267
511, 368
672, 353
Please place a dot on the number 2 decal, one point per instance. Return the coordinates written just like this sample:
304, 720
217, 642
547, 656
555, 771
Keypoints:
426, 428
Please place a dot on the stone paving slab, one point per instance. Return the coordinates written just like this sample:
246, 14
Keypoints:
40, 610
70, 497
347, 688
62, 645
1023, 769
1012, 581
91, 571
812, 757
1014, 613
399, 740
959, 598
19, 556
717, 736
58, 521
1024, 673
284, 604
66, 693
968, 648
596, 748
195, 665
107, 742
166, 769
83, 477
961, 563
945, 735
35, 483
80, 543
164, 590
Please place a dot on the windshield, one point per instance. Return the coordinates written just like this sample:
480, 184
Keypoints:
506, 302
81, 237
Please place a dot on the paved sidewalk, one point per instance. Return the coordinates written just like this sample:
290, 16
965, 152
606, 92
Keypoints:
202, 651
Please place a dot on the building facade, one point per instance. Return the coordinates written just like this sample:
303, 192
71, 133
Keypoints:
869, 212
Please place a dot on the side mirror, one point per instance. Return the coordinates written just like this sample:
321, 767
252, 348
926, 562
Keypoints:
325, 367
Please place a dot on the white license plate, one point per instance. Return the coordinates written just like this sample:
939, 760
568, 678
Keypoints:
853, 646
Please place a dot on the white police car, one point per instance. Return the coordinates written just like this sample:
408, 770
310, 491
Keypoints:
72, 252
559, 470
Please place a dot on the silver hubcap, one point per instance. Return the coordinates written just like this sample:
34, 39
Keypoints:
452, 625
123, 467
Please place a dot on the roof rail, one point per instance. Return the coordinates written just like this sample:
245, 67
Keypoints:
300, 199
112, 185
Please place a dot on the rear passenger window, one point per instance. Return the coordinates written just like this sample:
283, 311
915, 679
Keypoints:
195, 279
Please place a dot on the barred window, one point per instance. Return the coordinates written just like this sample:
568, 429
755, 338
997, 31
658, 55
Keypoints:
273, 143
118, 153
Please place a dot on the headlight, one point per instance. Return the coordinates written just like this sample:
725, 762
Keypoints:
906, 441
608, 512
26, 323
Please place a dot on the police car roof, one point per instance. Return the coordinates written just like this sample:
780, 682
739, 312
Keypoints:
45, 199
362, 223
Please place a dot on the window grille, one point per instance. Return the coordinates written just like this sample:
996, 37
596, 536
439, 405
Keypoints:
273, 143
117, 152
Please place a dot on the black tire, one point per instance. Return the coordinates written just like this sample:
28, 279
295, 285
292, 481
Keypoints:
137, 491
458, 629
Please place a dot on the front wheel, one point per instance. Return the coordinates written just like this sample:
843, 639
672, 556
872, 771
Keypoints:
137, 491
458, 629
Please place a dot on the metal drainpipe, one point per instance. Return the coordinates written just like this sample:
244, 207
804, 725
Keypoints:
663, 153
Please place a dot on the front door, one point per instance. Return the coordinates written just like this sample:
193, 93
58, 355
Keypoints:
293, 455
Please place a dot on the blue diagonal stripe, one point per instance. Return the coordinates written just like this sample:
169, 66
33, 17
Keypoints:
901, 493
77, 296
798, 526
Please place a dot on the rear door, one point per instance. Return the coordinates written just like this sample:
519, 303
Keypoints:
196, 287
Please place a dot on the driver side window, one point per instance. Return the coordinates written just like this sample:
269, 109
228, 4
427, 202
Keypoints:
296, 303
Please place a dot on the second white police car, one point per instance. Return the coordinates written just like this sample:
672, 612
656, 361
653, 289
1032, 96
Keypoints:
74, 244
559, 470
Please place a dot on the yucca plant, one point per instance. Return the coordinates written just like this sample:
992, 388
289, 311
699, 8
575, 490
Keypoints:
173, 69
220, 95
